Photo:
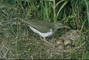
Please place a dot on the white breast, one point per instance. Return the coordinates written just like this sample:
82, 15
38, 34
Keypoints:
44, 35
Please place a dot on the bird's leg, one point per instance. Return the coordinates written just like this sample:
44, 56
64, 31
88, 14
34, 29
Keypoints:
47, 41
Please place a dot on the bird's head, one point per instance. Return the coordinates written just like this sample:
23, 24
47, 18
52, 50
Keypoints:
59, 25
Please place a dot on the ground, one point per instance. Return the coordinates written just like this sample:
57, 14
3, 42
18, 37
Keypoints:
25, 44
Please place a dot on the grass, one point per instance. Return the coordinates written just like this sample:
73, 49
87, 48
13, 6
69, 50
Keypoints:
17, 41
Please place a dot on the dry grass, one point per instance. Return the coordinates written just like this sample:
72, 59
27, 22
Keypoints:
17, 41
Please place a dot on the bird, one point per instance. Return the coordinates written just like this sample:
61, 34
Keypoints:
44, 28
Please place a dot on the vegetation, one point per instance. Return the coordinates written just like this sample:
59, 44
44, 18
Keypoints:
17, 41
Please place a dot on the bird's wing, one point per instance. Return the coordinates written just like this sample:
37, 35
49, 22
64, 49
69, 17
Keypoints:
42, 26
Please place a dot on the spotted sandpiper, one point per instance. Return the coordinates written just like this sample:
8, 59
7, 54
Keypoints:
44, 28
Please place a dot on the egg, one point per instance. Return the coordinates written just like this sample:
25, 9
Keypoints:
67, 42
61, 47
59, 42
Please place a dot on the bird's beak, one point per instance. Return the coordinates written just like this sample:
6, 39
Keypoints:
66, 27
